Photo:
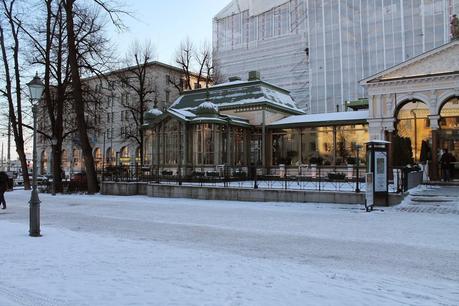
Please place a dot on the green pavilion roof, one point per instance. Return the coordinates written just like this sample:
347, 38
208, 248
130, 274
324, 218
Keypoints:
236, 95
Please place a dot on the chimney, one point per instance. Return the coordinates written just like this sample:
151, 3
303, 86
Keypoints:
234, 79
254, 75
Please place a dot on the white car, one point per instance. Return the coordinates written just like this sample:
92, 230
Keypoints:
19, 181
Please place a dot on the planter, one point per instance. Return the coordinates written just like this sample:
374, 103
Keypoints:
336, 176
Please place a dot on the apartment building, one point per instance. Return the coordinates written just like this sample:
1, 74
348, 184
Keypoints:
113, 117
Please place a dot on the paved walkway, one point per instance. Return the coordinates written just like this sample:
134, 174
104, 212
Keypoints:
432, 199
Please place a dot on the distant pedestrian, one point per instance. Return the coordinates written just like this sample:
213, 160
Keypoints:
3, 188
446, 161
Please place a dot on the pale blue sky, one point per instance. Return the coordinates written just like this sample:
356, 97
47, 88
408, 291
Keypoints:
166, 23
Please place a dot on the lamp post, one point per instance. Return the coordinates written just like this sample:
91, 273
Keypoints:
36, 88
413, 112
357, 163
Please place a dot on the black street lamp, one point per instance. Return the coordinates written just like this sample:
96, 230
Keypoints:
36, 88
357, 163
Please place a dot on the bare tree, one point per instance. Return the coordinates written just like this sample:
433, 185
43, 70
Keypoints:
80, 64
10, 38
137, 80
184, 58
196, 65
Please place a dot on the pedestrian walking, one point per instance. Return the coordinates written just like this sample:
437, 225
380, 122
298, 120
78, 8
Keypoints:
446, 162
3, 188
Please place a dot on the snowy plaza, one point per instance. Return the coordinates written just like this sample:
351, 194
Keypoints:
107, 250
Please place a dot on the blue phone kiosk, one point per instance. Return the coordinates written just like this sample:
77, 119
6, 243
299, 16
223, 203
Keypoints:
377, 178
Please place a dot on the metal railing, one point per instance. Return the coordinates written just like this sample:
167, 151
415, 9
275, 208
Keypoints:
304, 177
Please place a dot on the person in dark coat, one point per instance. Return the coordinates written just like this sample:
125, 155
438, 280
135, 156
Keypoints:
3, 188
446, 161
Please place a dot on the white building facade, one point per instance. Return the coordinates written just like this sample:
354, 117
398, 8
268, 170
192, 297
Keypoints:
320, 49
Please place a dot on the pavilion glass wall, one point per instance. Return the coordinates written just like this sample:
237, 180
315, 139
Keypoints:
171, 143
147, 150
203, 144
333, 144
239, 146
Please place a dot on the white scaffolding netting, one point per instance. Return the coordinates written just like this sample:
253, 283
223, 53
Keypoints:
255, 7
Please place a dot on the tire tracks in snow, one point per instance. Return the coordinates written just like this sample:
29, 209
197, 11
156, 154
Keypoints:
25, 297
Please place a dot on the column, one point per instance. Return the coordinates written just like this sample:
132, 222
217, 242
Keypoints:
389, 137
434, 169
184, 156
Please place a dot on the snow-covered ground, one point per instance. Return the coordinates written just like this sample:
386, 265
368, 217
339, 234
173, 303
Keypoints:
106, 250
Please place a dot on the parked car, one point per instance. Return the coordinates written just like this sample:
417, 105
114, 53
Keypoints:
41, 180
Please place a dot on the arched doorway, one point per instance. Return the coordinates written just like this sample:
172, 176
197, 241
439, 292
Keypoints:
77, 160
413, 128
449, 131
125, 158
110, 157
98, 158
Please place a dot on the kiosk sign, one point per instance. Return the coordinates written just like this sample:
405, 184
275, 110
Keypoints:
380, 174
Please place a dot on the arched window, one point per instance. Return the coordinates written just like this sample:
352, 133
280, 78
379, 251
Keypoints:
449, 127
110, 157
413, 123
98, 158
125, 158
76, 153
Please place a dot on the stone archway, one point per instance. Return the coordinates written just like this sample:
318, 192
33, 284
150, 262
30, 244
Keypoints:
413, 123
448, 134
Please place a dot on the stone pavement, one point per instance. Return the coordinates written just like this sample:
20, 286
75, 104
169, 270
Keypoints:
432, 199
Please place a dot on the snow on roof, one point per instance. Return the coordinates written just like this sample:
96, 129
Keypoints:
229, 83
208, 106
155, 112
181, 113
327, 117
237, 94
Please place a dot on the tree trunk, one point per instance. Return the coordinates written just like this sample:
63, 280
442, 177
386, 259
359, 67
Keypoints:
78, 101
57, 170
23, 160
